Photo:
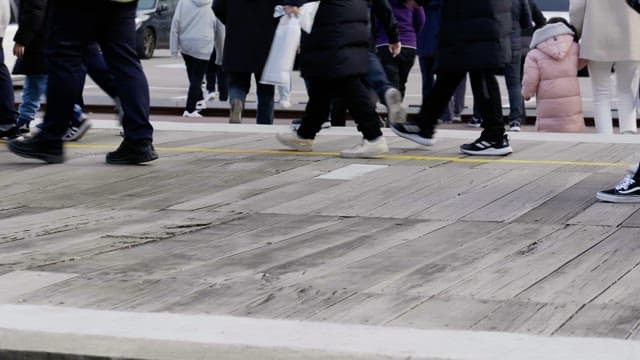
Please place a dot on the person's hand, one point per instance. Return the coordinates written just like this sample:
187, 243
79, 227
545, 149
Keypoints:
291, 10
395, 49
410, 4
18, 50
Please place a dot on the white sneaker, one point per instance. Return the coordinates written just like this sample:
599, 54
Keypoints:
201, 105
209, 96
194, 114
292, 140
396, 112
235, 112
366, 149
285, 104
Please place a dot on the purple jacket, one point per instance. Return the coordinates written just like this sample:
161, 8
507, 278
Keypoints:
410, 21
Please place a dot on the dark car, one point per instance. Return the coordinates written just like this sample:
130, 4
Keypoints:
153, 24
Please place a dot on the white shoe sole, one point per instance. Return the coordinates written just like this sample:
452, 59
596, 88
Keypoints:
628, 199
489, 151
415, 138
293, 145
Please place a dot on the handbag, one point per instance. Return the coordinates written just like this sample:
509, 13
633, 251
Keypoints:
635, 4
277, 69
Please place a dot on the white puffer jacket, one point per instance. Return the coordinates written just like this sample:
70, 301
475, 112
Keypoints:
192, 29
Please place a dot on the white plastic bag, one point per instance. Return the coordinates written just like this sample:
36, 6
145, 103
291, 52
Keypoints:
279, 65
307, 15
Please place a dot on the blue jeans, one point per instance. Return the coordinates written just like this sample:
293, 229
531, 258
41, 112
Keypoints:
74, 25
513, 78
239, 86
377, 77
34, 87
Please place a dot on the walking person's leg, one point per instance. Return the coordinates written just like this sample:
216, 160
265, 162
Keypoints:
492, 140
195, 85
33, 88
627, 79
387, 94
405, 62
433, 105
117, 40
354, 92
602, 93
71, 28
514, 88
211, 77
265, 102
316, 112
8, 114
239, 85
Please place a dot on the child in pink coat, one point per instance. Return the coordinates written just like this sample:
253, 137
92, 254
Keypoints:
551, 75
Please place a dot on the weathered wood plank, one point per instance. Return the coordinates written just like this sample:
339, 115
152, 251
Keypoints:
517, 272
605, 214
612, 321
440, 273
606, 263
527, 317
530, 196
567, 204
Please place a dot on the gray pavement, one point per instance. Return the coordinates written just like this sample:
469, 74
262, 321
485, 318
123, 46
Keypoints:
230, 247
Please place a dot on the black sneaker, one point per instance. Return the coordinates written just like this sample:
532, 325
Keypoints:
514, 126
11, 134
486, 147
24, 129
474, 122
77, 130
627, 191
132, 152
50, 151
413, 132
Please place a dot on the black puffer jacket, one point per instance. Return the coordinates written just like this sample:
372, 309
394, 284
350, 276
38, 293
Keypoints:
31, 34
339, 41
250, 28
474, 34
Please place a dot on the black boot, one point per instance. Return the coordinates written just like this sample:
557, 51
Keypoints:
50, 151
131, 152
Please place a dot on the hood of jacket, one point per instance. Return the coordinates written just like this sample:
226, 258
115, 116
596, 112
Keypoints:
201, 3
556, 47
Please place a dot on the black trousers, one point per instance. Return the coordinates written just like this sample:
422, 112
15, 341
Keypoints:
196, 68
215, 75
8, 113
397, 68
355, 93
74, 25
486, 94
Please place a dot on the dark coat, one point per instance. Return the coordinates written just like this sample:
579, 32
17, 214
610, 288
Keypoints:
522, 21
31, 34
539, 21
428, 36
250, 27
338, 44
474, 34
382, 12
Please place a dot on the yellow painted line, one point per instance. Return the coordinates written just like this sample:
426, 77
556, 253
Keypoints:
473, 160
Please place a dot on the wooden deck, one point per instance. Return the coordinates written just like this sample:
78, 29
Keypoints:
225, 223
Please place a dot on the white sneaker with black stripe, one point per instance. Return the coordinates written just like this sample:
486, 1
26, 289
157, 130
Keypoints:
488, 148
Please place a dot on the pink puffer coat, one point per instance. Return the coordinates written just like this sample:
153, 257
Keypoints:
550, 74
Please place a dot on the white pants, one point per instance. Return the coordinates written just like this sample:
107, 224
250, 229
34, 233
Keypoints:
627, 77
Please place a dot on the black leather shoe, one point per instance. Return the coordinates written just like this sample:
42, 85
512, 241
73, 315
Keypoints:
131, 152
50, 151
